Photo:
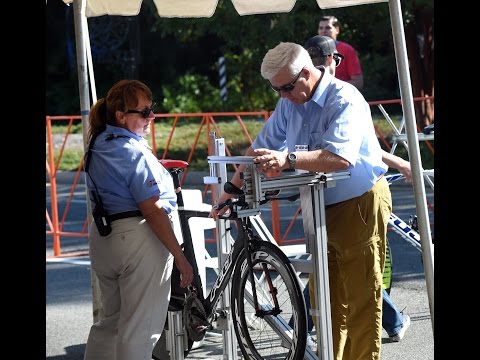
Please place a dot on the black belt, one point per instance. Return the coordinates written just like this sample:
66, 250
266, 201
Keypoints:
124, 215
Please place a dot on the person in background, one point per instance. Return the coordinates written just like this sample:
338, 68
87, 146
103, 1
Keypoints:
323, 51
349, 70
339, 136
132, 243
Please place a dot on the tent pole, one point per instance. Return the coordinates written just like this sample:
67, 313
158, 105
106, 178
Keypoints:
83, 84
413, 146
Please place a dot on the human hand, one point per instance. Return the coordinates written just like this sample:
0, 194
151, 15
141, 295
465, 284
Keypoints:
216, 212
405, 170
185, 270
268, 161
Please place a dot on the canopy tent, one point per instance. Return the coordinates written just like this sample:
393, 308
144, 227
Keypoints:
206, 8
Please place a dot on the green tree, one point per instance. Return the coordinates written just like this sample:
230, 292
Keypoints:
175, 53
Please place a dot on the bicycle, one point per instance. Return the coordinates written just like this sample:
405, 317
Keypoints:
265, 292
408, 231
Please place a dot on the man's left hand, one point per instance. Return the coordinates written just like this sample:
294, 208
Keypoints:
267, 160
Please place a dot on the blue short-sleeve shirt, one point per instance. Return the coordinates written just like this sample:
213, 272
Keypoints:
126, 172
337, 118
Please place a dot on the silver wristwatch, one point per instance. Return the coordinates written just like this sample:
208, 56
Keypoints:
292, 159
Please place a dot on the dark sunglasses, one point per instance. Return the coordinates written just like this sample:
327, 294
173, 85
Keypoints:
289, 87
338, 60
145, 112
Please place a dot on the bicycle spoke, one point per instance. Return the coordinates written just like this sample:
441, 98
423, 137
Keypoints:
276, 329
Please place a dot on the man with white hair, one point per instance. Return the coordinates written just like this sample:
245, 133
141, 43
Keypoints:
323, 51
332, 120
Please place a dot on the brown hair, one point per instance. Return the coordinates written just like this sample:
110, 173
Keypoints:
122, 96
329, 18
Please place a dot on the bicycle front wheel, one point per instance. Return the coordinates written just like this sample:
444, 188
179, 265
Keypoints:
277, 328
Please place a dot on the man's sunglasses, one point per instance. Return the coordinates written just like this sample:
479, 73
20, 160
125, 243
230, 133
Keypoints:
288, 87
145, 112
338, 59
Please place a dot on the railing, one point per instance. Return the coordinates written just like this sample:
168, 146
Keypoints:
56, 219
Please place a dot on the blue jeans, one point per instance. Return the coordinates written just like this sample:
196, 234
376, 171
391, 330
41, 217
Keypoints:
392, 318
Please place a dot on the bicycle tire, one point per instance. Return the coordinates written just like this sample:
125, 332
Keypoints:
388, 270
255, 335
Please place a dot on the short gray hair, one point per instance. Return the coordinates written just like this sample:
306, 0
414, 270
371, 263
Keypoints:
285, 54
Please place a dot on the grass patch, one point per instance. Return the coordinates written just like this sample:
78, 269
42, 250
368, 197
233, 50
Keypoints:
236, 141
70, 160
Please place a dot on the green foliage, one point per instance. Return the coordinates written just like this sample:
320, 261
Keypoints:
180, 147
70, 160
191, 93
59, 128
185, 135
178, 57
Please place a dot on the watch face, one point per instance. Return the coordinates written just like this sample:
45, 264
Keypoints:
292, 159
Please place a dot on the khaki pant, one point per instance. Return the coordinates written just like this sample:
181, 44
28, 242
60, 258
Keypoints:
133, 269
356, 231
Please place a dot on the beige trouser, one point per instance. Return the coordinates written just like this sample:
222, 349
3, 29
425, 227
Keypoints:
356, 231
133, 269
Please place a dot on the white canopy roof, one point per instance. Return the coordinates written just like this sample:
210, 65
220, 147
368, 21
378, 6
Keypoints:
204, 8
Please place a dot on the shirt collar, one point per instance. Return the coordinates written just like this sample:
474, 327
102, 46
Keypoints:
320, 93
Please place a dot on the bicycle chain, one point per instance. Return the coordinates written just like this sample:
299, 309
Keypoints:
194, 317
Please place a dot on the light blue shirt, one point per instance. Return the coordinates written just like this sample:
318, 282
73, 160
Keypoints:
126, 172
337, 118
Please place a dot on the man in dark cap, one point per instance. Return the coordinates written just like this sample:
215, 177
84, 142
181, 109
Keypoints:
323, 51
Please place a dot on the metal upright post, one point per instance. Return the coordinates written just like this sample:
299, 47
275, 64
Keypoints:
312, 202
223, 248
413, 148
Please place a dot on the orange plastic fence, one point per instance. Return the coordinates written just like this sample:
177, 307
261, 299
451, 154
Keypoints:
56, 220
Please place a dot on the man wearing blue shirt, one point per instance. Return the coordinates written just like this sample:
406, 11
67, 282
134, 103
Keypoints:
333, 121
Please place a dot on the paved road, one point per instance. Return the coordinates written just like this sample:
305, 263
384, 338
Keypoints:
68, 292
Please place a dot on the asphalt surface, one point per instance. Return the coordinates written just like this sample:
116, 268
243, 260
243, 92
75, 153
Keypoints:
69, 298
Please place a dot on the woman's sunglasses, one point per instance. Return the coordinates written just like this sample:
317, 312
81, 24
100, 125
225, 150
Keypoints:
145, 112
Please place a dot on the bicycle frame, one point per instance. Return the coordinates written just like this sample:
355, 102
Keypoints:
405, 231
242, 240
400, 226
224, 274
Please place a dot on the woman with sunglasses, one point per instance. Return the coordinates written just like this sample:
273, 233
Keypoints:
132, 243
331, 119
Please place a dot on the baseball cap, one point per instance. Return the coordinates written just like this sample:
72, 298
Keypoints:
320, 46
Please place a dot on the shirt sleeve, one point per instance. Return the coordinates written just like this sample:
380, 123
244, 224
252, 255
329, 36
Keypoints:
273, 133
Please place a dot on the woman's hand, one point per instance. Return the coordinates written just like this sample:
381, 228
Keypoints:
185, 269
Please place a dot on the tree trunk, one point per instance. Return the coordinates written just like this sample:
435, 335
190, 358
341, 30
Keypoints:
420, 49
